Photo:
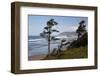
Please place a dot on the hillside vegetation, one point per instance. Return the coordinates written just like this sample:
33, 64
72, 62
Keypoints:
76, 49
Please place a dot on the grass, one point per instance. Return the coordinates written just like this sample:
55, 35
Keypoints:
72, 53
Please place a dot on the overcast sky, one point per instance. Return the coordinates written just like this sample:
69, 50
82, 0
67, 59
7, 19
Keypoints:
65, 23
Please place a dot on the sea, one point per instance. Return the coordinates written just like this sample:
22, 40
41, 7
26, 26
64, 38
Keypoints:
38, 45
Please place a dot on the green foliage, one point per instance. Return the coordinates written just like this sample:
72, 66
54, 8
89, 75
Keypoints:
51, 23
54, 30
48, 30
81, 29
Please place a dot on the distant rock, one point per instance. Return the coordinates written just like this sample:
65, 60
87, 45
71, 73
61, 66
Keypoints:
68, 34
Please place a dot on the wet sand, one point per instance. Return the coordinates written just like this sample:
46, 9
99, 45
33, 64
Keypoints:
37, 57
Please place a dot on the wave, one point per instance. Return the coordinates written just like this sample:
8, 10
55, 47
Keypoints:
34, 40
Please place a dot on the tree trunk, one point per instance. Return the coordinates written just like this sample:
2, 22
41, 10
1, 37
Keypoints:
48, 48
49, 42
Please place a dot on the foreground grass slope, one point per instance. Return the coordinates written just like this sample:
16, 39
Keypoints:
72, 53
80, 52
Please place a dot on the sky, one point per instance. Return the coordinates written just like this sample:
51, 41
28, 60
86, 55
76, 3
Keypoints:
36, 23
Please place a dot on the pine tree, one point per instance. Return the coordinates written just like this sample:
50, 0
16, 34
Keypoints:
48, 30
81, 29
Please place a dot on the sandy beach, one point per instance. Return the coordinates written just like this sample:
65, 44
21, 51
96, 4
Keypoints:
37, 57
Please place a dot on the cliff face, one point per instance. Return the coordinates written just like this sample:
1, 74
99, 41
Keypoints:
82, 41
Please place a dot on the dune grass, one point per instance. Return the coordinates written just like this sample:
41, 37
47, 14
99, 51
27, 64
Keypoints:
72, 53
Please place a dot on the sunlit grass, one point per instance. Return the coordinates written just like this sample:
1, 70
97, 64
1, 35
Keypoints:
80, 52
